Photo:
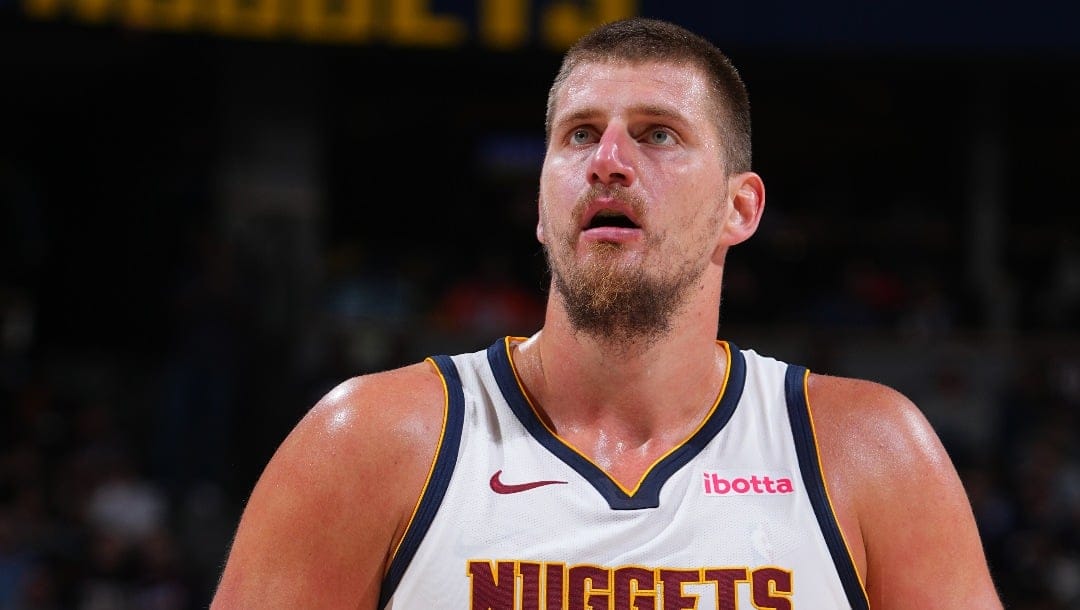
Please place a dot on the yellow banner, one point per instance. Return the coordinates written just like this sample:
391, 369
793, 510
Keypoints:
496, 24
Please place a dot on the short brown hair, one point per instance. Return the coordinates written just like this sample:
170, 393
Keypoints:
639, 40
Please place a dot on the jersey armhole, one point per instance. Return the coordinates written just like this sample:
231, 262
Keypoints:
442, 468
802, 427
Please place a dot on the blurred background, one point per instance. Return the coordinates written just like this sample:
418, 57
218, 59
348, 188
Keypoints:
213, 212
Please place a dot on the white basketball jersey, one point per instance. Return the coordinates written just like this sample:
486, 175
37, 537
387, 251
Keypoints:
513, 518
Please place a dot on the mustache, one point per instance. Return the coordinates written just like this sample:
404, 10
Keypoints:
615, 191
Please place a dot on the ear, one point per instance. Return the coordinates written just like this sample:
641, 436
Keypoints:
747, 193
540, 220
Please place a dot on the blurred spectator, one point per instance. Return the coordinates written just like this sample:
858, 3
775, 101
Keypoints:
930, 313
368, 309
488, 303
196, 412
162, 583
125, 507
867, 297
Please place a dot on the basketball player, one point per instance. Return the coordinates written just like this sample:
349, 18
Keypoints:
621, 457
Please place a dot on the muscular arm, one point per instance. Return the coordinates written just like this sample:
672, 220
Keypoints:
899, 499
321, 524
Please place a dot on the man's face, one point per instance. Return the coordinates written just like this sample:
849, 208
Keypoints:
631, 195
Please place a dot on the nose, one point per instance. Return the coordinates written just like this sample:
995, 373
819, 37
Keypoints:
612, 163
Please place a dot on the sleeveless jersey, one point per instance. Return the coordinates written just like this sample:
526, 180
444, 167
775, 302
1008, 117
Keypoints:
512, 517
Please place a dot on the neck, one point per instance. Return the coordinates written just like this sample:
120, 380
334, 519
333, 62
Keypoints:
637, 391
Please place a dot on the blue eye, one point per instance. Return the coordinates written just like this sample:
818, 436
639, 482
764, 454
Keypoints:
659, 136
579, 136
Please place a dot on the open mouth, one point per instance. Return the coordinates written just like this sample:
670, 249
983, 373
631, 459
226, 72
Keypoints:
611, 218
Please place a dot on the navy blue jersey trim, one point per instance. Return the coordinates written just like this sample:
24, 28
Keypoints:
814, 480
648, 494
435, 489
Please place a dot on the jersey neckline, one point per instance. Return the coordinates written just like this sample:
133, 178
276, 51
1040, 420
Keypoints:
647, 492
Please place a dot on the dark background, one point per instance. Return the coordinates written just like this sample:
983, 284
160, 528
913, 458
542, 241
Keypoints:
202, 231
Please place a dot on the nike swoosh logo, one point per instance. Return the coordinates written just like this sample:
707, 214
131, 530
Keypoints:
499, 487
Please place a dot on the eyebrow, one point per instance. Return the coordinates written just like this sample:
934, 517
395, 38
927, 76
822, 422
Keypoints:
649, 110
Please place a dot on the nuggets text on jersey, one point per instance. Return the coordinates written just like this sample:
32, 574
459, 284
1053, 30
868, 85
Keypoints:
523, 585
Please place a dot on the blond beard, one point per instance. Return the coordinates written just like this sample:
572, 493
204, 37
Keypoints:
617, 303
610, 299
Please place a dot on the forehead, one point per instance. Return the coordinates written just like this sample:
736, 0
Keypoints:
611, 86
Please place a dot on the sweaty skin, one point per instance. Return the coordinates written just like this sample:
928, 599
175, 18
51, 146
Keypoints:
327, 514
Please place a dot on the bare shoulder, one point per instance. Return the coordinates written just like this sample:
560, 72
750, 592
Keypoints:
878, 426
898, 498
368, 424
386, 410
321, 524
878, 451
